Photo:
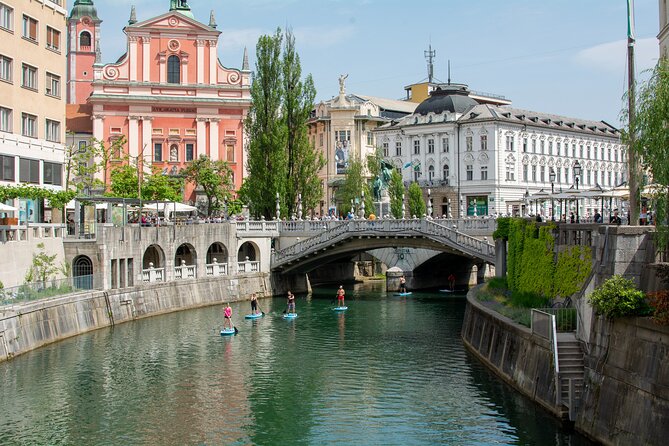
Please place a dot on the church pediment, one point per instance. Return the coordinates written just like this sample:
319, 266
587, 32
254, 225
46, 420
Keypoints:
173, 21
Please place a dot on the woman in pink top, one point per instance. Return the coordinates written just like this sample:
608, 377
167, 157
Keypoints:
227, 312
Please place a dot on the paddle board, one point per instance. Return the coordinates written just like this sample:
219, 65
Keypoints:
253, 316
403, 294
452, 291
290, 315
340, 308
227, 331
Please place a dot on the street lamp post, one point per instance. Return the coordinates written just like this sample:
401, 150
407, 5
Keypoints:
577, 175
551, 176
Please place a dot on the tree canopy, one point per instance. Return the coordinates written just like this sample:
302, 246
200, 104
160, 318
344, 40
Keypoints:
215, 180
417, 206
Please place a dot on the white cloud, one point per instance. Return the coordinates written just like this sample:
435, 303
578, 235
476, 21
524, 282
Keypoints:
612, 56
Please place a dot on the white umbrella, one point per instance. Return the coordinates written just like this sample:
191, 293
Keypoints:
7, 208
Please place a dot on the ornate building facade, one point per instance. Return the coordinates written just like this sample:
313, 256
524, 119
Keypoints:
168, 96
486, 159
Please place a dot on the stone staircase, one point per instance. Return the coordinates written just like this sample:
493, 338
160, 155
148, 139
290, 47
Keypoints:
570, 359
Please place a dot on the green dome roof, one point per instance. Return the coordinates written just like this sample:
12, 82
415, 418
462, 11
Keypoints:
83, 8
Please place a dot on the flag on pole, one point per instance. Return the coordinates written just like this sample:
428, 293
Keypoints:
630, 20
416, 166
407, 165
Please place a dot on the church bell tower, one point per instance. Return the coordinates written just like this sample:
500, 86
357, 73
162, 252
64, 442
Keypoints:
83, 50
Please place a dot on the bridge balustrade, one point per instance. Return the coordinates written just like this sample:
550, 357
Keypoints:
257, 227
153, 275
248, 267
216, 269
185, 272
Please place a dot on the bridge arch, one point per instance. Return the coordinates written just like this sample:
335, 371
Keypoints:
155, 255
248, 250
185, 253
218, 251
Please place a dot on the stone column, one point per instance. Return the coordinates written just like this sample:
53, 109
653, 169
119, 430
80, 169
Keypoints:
146, 59
132, 57
98, 127
213, 62
213, 139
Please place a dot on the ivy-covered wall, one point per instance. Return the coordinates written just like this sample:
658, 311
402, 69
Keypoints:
534, 267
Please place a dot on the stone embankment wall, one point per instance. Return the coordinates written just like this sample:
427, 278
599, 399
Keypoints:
626, 396
31, 325
512, 352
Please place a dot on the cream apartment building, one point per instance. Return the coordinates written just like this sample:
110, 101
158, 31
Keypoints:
32, 98
663, 35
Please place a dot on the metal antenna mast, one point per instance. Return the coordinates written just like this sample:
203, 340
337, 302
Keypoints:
430, 54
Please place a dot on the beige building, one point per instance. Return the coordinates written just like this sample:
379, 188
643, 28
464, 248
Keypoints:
663, 35
342, 129
32, 99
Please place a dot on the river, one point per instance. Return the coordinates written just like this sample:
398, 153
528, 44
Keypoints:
390, 370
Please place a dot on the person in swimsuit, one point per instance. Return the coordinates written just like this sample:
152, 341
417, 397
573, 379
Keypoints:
254, 304
291, 302
340, 296
403, 285
227, 312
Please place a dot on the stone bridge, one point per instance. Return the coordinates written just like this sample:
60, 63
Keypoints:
332, 240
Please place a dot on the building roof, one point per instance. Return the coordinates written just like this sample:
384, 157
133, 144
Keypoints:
452, 98
390, 104
78, 118
84, 8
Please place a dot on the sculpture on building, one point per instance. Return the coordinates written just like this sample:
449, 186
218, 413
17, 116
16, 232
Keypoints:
342, 83
179, 4
382, 180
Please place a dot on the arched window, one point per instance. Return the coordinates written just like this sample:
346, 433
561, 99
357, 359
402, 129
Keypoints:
446, 172
173, 70
430, 173
85, 39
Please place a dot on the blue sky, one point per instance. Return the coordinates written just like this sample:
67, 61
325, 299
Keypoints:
564, 57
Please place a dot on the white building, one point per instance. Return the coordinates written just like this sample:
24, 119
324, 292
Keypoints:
485, 159
663, 35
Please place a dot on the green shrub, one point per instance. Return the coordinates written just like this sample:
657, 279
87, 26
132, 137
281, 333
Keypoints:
497, 284
502, 231
525, 299
618, 297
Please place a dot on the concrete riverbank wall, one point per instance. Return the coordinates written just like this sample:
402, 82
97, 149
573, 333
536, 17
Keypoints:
31, 325
510, 350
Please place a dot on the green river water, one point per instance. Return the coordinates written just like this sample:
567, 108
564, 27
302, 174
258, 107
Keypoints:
389, 371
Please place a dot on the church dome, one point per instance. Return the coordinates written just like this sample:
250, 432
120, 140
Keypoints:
84, 8
452, 98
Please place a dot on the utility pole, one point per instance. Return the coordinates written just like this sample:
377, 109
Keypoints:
632, 174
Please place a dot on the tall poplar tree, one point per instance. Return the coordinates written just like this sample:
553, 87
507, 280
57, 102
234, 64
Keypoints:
304, 161
266, 161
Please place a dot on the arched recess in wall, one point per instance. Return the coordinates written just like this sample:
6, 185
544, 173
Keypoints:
248, 250
155, 255
217, 251
84, 39
185, 253
82, 273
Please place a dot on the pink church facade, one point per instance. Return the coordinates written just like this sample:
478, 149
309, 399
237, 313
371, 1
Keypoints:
170, 97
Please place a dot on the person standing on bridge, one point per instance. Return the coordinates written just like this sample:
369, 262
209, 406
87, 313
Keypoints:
340, 296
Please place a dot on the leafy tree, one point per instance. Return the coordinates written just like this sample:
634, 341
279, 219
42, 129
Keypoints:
416, 203
651, 131
618, 297
43, 266
353, 185
266, 161
396, 192
80, 167
304, 161
106, 153
124, 182
215, 179
159, 186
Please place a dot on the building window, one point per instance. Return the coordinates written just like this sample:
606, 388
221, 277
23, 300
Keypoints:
446, 173
542, 173
581, 150
52, 39
385, 149
28, 171
558, 174
6, 17
174, 153
588, 152
29, 78
29, 28
524, 145
550, 147
230, 153
543, 147
190, 151
370, 139
52, 85
509, 143
525, 172
484, 173
173, 70
53, 174
320, 139
85, 40
5, 119
52, 130
416, 173
566, 175
484, 142
29, 125
398, 148
416, 147
430, 146
158, 152
469, 143
559, 148
573, 150
470, 172
444, 145
430, 173
7, 168
510, 172
534, 174
6, 68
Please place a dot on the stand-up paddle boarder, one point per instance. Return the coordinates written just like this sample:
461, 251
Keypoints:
340, 296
